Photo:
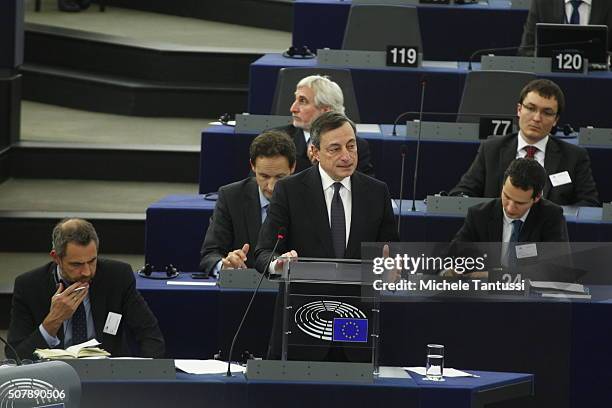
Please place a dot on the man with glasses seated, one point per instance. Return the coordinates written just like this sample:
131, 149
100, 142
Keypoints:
568, 167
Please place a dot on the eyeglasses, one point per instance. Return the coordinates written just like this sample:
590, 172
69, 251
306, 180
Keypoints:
546, 113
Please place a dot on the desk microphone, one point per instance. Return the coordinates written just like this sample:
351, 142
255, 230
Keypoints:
279, 237
403, 151
418, 146
17, 359
559, 44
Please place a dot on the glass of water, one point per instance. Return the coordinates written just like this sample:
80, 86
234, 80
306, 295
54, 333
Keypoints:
434, 369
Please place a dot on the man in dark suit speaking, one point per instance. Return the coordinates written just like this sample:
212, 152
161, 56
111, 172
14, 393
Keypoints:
78, 297
570, 181
242, 206
315, 95
328, 210
586, 12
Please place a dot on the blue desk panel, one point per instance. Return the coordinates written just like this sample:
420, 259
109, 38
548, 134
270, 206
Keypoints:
237, 392
449, 33
558, 341
176, 225
383, 93
440, 167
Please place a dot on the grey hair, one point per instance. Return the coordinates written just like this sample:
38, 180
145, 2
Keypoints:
327, 93
326, 122
76, 230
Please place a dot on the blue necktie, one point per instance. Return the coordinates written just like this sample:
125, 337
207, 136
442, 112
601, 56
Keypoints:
264, 214
514, 238
338, 222
575, 18
79, 325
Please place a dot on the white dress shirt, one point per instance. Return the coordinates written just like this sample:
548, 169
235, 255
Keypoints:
541, 145
507, 233
345, 194
584, 9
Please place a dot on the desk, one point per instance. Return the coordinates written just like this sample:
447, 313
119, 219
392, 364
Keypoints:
213, 391
218, 169
384, 93
176, 225
449, 33
557, 341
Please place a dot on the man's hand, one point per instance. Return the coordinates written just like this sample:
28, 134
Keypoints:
63, 305
394, 275
236, 259
278, 266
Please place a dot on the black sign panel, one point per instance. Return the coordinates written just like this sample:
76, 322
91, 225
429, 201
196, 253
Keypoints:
567, 61
402, 56
495, 126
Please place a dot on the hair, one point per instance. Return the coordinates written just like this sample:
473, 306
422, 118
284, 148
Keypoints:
273, 143
75, 230
547, 89
327, 93
525, 174
326, 122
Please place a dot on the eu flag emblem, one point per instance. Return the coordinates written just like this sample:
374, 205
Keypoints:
354, 330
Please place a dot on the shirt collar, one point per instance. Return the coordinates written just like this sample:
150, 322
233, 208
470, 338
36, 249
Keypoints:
508, 220
263, 201
327, 181
584, 1
541, 144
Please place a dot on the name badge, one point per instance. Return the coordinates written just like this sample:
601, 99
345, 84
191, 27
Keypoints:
112, 323
526, 251
560, 179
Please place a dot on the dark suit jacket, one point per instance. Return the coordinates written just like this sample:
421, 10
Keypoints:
485, 176
545, 223
298, 204
484, 223
113, 289
302, 162
235, 222
553, 11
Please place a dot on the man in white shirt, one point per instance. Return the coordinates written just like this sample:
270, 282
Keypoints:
591, 12
329, 209
568, 166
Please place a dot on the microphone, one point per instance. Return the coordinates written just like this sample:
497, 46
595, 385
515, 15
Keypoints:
559, 44
403, 151
418, 146
282, 231
17, 359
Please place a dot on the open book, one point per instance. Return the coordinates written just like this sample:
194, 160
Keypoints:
87, 349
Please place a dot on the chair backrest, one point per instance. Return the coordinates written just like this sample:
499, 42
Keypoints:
491, 92
374, 27
288, 78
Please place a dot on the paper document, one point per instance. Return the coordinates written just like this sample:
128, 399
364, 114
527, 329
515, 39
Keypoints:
229, 123
206, 366
368, 128
194, 283
87, 349
448, 372
566, 296
441, 64
566, 287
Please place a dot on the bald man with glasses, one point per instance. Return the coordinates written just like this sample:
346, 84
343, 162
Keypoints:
568, 167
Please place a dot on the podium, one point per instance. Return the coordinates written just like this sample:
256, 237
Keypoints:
330, 319
50, 384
